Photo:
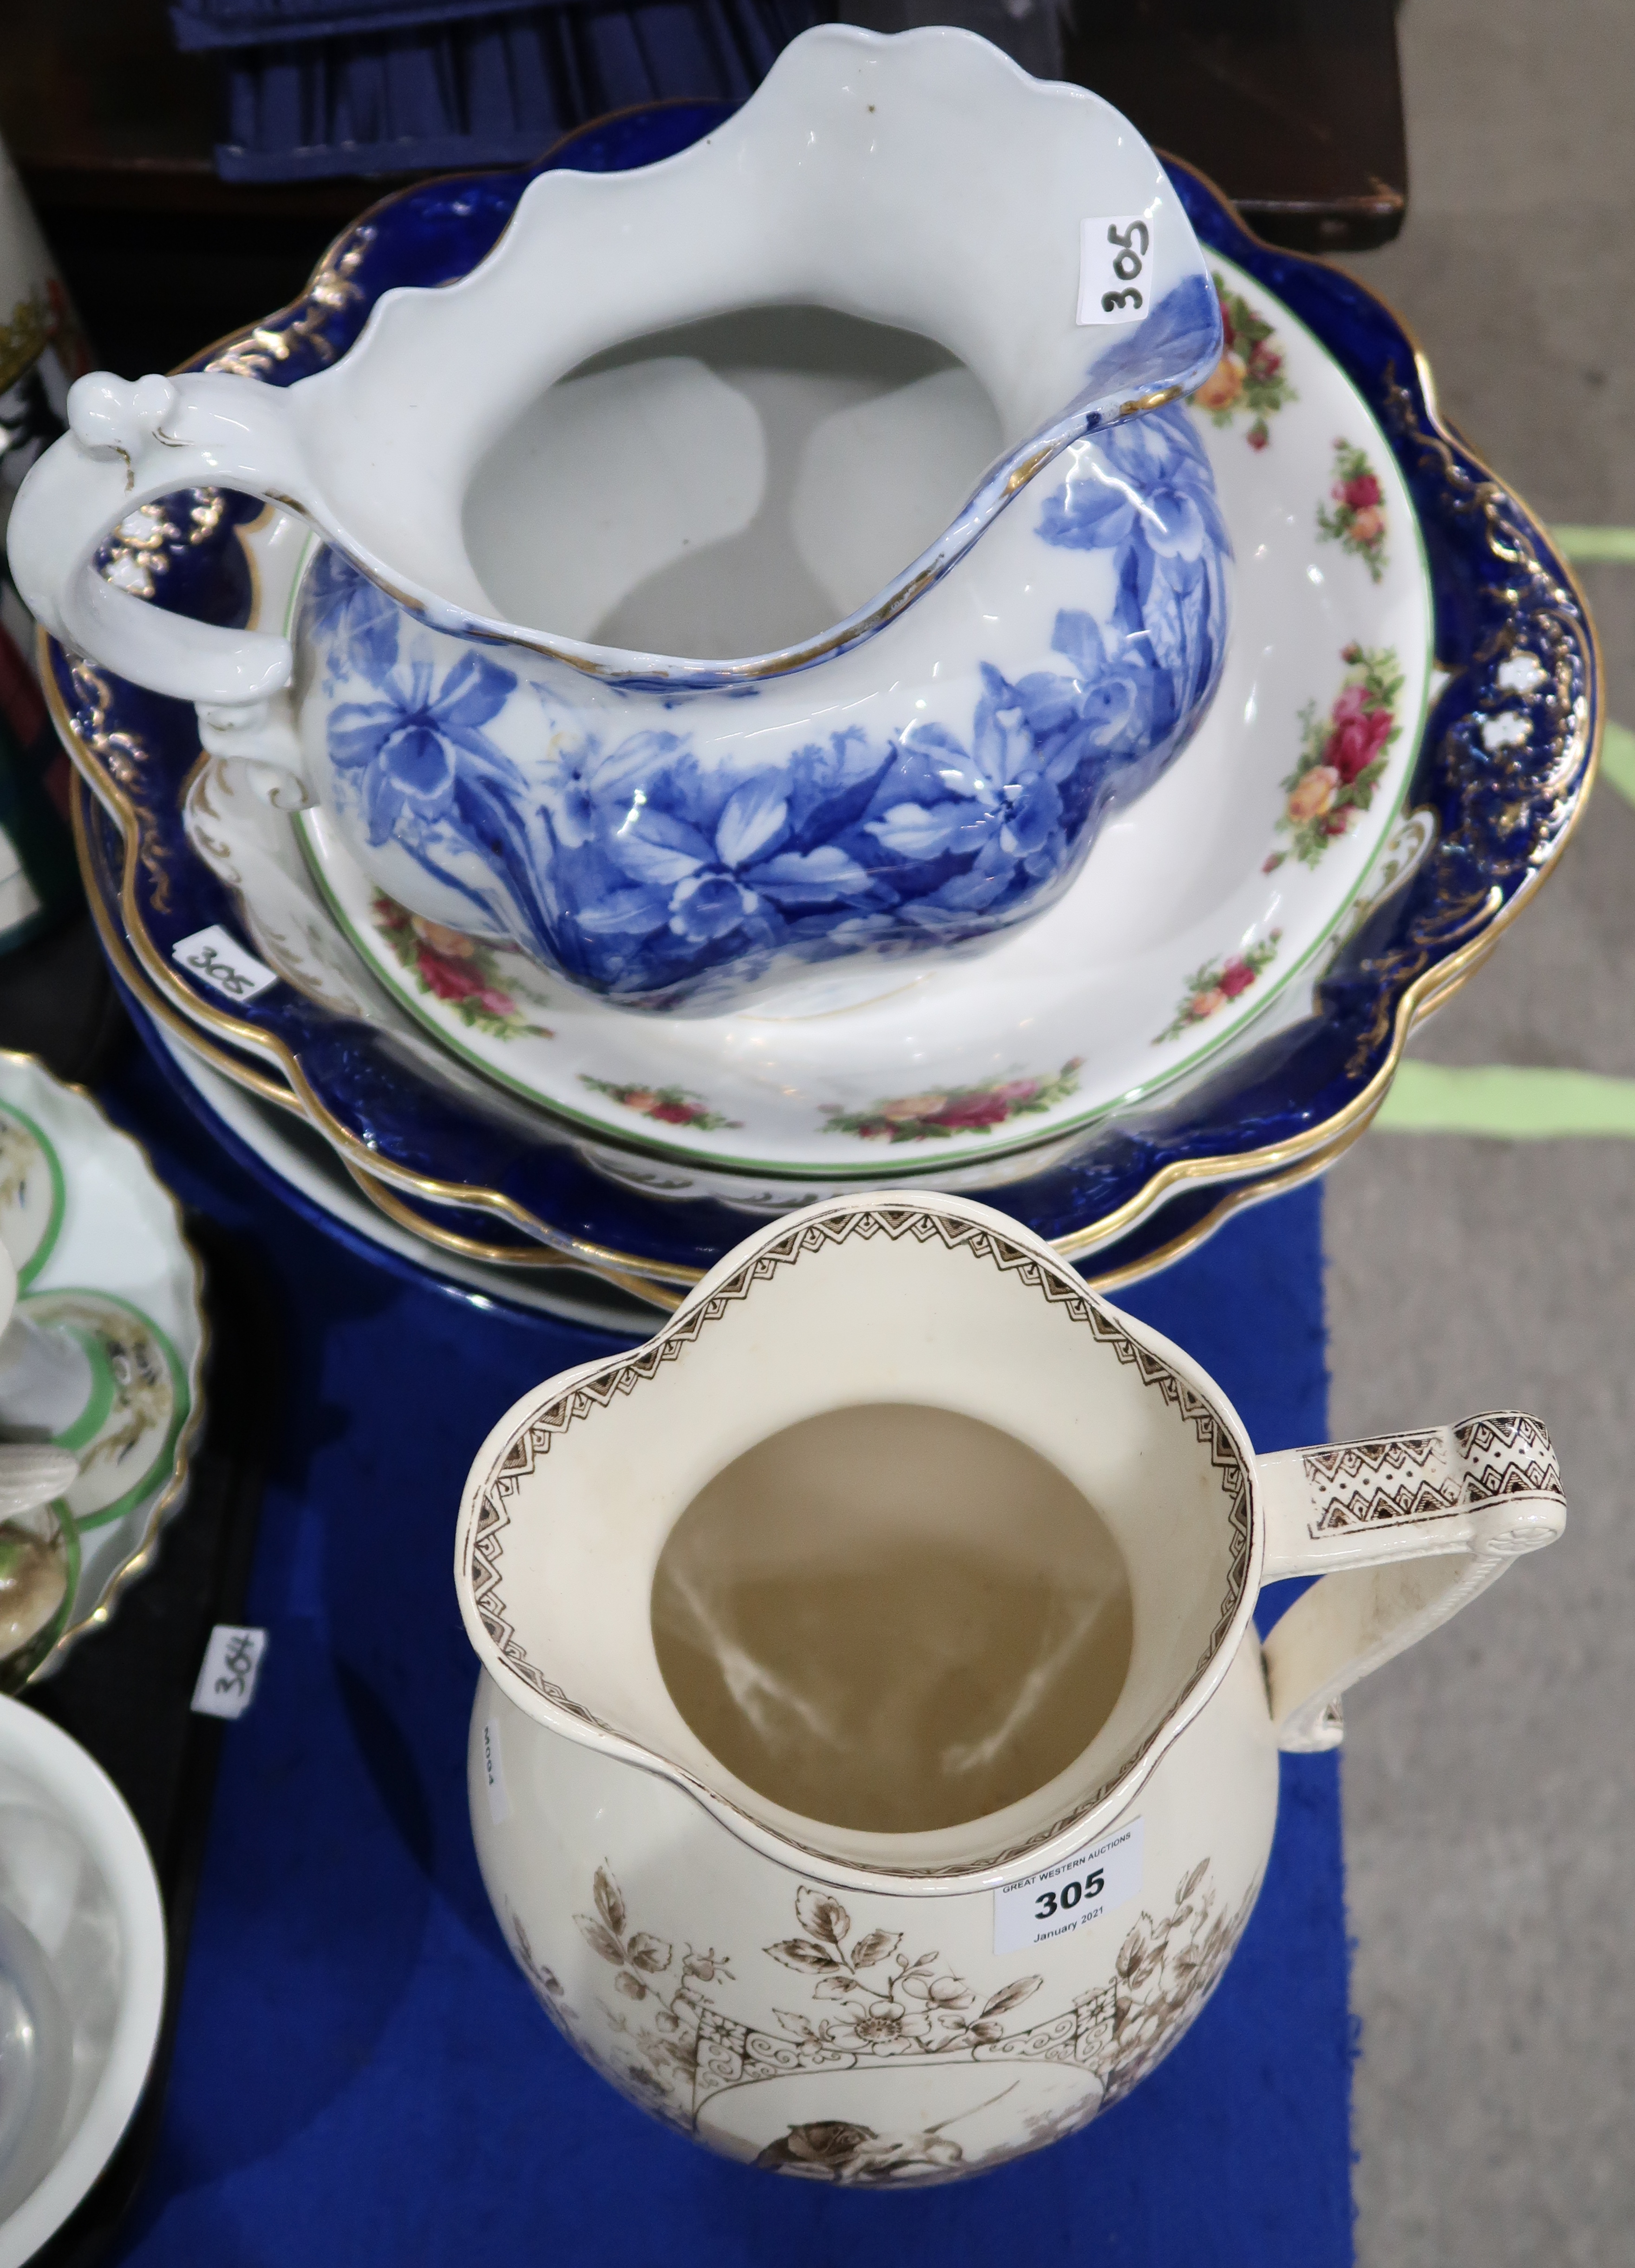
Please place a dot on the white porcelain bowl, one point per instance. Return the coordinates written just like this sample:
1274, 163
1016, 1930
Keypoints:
76, 1874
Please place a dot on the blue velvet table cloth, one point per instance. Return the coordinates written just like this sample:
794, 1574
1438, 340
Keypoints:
361, 2074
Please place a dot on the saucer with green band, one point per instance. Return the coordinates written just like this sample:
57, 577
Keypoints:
31, 1194
125, 1436
107, 1272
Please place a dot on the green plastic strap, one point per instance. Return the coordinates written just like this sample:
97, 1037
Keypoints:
1529, 1104
1617, 759
1507, 1104
1595, 547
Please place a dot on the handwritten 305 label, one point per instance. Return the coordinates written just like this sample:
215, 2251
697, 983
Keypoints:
1114, 268
232, 1662
1076, 1890
223, 963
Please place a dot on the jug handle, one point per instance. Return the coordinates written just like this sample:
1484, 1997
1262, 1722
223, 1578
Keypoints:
127, 444
1404, 1532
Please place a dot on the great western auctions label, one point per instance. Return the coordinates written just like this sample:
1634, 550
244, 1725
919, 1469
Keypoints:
1076, 1890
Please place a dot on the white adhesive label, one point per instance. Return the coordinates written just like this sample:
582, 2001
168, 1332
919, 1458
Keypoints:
223, 963
1114, 264
494, 1773
1076, 1890
232, 1662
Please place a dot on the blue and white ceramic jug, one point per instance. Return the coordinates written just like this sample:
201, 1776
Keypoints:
984, 560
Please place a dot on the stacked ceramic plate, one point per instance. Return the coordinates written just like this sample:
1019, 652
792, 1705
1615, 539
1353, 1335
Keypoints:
102, 1356
101, 1362
1403, 734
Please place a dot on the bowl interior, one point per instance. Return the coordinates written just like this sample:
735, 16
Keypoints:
730, 486
844, 1625
85, 1931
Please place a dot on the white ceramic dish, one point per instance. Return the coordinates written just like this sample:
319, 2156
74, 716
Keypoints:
75, 1873
1200, 905
107, 1265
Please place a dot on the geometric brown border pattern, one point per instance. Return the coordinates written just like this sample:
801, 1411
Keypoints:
626, 1374
1363, 1483
1412, 1477
1506, 1454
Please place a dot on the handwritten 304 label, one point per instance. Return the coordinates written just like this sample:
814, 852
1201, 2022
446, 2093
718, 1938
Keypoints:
494, 1773
1114, 268
1065, 1897
223, 963
233, 1663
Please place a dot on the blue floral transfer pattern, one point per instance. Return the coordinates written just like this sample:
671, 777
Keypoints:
1154, 507
355, 619
646, 874
1182, 336
403, 752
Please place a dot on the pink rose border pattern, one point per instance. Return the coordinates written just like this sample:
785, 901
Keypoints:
956, 1110
1218, 983
1344, 758
666, 1105
1251, 373
1355, 517
458, 970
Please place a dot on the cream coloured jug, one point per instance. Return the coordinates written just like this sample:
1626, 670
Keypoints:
900, 1983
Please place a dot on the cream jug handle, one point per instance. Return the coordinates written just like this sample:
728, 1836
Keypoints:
1403, 1533
128, 443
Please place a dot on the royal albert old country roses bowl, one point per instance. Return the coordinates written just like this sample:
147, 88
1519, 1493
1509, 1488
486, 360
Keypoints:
982, 590
874, 1763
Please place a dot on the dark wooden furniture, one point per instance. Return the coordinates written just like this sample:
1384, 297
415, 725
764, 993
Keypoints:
1292, 106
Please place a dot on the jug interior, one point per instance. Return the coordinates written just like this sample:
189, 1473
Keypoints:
727, 487
891, 1617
